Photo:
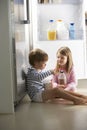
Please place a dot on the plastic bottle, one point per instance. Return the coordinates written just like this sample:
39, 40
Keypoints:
51, 32
62, 31
62, 78
72, 31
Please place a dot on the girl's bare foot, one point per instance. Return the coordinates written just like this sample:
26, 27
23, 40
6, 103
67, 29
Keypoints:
80, 102
84, 97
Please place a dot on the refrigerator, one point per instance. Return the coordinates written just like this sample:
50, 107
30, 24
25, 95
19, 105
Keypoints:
70, 11
21, 45
15, 44
23, 26
30, 25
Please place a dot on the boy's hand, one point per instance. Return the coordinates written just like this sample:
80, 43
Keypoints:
48, 85
53, 72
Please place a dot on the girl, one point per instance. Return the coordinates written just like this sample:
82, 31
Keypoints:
35, 85
65, 63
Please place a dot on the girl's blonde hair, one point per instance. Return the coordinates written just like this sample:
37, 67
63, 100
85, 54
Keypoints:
66, 52
37, 55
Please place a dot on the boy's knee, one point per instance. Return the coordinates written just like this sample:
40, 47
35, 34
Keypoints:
55, 90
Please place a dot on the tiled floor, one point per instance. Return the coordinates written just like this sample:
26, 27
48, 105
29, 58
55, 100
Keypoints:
49, 116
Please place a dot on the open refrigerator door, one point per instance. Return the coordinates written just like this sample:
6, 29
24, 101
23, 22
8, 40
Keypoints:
21, 46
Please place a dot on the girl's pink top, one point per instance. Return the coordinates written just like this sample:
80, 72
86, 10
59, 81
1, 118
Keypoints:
71, 80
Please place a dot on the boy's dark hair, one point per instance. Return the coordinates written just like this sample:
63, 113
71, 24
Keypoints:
37, 55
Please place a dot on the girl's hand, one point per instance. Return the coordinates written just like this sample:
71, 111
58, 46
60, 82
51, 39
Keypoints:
62, 86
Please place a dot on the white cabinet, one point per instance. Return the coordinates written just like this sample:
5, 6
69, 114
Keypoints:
69, 11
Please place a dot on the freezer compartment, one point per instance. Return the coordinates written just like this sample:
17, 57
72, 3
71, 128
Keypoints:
20, 89
20, 69
20, 93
